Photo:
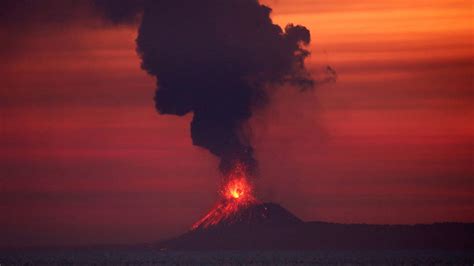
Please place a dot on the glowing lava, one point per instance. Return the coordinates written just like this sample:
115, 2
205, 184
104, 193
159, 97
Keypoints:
238, 188
236, 193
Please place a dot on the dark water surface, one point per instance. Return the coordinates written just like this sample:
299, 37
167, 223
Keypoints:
151, 257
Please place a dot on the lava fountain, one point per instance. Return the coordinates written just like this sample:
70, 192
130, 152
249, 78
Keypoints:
236, 194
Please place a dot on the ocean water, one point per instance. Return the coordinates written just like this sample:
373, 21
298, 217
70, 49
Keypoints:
150, 257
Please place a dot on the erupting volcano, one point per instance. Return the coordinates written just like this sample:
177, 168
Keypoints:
238, 206
236, 194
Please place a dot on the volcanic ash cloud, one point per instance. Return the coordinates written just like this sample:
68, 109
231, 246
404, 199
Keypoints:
215, 59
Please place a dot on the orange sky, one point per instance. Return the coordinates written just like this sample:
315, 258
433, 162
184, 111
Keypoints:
86, 159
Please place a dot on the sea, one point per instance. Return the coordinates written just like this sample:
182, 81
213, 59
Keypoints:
155, 257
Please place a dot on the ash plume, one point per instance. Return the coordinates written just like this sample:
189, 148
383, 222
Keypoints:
214, 59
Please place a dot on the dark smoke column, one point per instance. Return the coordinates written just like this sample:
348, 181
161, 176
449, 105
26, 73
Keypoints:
215, 58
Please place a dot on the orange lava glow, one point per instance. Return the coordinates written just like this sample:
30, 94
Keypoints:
237, 188
236, 193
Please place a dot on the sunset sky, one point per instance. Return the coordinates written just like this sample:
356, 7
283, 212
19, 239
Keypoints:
85, 158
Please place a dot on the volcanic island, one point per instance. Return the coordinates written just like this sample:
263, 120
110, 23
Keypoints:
239, 221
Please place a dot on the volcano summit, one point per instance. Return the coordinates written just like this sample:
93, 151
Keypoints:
239, 206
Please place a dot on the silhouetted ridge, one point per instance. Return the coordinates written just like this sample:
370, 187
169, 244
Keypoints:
269, 226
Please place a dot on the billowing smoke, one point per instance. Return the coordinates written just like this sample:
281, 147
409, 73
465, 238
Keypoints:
215, 59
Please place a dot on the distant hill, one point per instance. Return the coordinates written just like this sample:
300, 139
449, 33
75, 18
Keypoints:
268, 226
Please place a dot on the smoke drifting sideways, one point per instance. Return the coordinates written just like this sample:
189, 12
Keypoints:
215, 59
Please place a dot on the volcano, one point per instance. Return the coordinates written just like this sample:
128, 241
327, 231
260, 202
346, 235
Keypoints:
258, 214
254, 225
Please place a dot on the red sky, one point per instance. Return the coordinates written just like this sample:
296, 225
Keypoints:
85, 158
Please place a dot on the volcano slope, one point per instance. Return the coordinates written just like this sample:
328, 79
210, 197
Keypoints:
268, 226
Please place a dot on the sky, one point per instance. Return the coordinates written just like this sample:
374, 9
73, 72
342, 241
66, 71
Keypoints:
85, 158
